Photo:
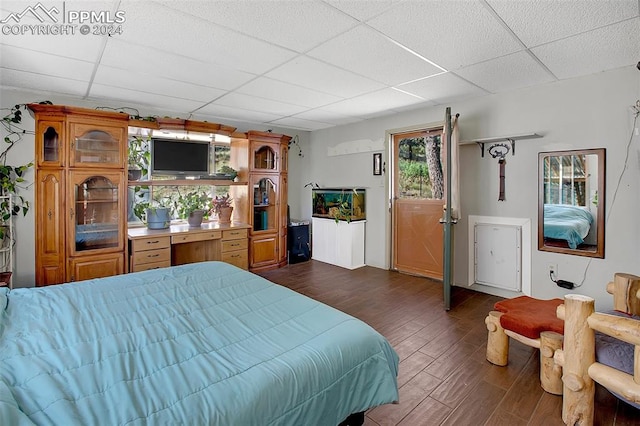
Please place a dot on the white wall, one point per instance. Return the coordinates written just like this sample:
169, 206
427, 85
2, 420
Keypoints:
588, 112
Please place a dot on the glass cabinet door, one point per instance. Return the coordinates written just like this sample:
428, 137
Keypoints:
265, 213
265, 156
96, 212
50, 135
97, 146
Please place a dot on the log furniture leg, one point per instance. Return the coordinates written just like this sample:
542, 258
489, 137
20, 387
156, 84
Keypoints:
550, 372
579, 347
497, 340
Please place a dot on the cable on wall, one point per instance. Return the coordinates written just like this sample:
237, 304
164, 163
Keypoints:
636, 112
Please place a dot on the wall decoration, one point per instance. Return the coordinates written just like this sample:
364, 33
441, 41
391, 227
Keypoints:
377, 164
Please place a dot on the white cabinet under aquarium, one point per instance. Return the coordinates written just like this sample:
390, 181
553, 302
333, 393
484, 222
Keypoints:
338, 225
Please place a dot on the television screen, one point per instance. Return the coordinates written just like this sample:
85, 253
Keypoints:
176, 157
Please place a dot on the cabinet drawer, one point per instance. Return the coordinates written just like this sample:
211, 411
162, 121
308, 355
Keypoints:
234, 245
234, 234
152, 265
149, 256
196, 236
237, 258
150, 243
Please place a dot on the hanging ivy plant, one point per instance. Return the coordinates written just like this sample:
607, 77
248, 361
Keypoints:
11, 177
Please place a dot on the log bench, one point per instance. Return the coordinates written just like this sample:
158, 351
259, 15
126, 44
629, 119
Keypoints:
534, 323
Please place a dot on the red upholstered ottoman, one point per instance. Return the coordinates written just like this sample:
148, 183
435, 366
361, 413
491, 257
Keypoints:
534, 323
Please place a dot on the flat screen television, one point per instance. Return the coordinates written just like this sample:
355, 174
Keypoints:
179, 158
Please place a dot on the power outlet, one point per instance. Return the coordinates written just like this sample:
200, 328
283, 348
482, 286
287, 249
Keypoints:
553, 270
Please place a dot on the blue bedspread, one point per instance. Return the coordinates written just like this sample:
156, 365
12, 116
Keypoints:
205, 343
569, 223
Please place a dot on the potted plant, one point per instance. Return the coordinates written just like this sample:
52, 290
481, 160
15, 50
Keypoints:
228, 172
138, 157
221, 205
156, 214
193, 206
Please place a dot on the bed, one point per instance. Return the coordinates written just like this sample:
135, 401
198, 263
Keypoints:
204, 343
567, 223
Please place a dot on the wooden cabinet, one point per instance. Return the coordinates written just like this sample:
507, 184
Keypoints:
80, 193
235, 247
150, 253
268, 156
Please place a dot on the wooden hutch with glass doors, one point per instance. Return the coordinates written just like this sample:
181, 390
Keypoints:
267, 155
80, 203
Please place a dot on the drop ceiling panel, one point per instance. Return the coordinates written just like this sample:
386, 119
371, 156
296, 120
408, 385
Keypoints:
253, 103
43, 63
148, 83
443, 88
278, 90
123, 55
509, 72
316, 75
559, 19
324, 116
136, 99
226, 112
372, 103
366, 52
452, 34
42, 82
299, 123
362, 10
179, 33
297, 25
613, 46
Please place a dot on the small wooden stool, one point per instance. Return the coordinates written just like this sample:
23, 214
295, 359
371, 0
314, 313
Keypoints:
534, 323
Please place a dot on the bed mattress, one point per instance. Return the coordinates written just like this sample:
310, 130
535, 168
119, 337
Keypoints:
204, 343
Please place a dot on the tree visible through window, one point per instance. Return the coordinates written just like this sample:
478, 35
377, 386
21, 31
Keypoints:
420, 173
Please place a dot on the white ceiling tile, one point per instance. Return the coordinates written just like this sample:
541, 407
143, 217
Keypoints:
44, 63
42, 82
599, 50
119, 54
366, 52
362, 10
285, 92
299, 123
509, 72
323, 116
151, 24
148, 83
316, 75
238, 100
137, 98
297, 25
452, 34
443, 88
225, 112
372, 103
538, 22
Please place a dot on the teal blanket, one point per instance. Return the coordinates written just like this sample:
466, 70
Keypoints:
199, 344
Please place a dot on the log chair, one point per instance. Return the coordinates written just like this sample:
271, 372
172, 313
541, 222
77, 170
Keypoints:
578, 357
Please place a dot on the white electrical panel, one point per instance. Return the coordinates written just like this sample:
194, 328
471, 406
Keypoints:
498, 255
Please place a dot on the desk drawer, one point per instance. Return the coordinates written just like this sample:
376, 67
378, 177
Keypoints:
196, 236
152, 256
147, 266
238, 258
234, 234
150, 243
234, 245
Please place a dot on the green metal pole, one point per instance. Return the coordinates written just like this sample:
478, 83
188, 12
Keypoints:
448, 230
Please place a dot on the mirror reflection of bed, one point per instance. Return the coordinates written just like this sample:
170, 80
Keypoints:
571, 202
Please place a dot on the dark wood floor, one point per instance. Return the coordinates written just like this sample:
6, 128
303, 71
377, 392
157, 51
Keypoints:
444, 378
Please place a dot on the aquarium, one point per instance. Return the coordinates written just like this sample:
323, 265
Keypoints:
339, 203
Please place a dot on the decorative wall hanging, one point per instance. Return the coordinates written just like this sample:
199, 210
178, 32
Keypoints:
377, 164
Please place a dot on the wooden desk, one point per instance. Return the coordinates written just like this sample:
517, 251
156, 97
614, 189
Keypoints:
180, 244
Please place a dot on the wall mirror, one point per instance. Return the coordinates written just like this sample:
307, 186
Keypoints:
571, 198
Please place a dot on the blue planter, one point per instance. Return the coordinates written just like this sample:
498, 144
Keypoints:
158, 218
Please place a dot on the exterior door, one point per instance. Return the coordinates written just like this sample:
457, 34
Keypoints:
417, 203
